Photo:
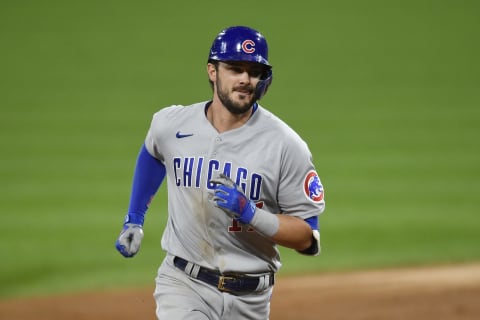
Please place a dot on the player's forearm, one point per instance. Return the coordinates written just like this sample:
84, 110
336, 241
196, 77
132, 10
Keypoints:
293, 233
149, 174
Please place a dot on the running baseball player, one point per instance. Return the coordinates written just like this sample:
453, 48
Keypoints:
240, 182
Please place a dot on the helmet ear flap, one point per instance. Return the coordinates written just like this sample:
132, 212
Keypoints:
263, 84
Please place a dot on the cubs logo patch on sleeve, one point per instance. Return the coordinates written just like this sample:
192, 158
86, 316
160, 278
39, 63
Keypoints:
313, 187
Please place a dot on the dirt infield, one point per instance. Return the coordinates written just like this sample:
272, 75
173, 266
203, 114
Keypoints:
440, 293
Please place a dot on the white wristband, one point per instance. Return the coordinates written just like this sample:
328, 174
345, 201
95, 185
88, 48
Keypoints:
265, 222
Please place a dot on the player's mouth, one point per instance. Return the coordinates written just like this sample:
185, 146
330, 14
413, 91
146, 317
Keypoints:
244, 91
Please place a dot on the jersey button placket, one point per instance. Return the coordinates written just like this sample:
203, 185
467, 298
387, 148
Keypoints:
217, 141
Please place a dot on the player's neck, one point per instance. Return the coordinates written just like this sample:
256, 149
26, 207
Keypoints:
223, 120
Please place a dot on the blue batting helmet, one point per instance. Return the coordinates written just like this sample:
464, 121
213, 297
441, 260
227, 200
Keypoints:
241, 43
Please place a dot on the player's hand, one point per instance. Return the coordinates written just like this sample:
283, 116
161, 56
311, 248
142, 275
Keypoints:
129, 240
231, 199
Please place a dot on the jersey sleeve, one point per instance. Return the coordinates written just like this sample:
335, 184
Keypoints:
300, 191
152, 143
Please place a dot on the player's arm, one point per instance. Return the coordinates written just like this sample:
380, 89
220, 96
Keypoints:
296, 233
148, 176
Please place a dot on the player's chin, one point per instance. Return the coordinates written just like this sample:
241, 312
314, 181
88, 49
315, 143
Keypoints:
244, 107
238, 108
245, 100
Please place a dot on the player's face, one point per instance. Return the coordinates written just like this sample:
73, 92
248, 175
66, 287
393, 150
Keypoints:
235, 85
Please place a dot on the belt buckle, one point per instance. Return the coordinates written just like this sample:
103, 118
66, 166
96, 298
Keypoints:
221, 283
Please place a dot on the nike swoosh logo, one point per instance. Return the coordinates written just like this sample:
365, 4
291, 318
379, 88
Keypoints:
182, 135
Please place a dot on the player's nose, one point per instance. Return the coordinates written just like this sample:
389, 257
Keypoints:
245, 76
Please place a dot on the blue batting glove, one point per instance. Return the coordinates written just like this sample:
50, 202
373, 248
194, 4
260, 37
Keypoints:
129, 240
231, 199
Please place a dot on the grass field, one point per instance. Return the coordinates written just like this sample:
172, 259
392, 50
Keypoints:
386, 93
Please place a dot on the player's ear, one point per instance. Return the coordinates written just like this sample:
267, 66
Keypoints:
212, 72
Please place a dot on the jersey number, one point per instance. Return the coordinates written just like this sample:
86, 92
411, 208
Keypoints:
237, 227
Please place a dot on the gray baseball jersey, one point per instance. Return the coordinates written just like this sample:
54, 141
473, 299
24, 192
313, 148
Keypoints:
265, 157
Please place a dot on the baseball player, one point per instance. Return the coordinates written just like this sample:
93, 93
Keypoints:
240, 182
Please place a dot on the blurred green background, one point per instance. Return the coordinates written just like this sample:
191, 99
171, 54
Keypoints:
386, 93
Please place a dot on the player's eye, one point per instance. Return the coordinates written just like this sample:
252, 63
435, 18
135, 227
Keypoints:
237, 69
255, 72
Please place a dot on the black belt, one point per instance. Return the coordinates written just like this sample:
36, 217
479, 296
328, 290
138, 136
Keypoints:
229, 282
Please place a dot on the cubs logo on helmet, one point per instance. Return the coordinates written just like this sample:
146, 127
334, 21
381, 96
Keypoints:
313, 187
248, 46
